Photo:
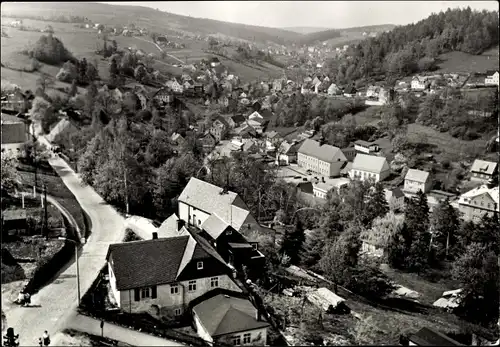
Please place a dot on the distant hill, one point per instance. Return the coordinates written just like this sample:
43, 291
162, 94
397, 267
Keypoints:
305, 30
149, 18
346, 35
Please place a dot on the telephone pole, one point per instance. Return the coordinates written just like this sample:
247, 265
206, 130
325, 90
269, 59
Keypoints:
46, 222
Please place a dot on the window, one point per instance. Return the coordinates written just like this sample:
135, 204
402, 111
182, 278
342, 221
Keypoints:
236, 340
199, 265
214, 282
246, 338
255, 246
192, 286
174, 289
229, 231
177, 312
145, 293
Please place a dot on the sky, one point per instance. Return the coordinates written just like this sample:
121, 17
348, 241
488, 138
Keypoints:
323, 14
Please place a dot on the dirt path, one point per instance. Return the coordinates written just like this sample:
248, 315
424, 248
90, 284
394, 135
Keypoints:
161, 50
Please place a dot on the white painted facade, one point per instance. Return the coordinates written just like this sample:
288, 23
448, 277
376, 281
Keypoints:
492, 80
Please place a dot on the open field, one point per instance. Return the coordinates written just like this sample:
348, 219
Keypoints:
459, 62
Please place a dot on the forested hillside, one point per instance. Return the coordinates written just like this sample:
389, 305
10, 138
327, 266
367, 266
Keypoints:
415, 48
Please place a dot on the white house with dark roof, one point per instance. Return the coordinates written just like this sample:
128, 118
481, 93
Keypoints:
14, 133
164, 275
366, 147
416, 180
229, 319
372, 167
395, 199
478, 202
418, 83
483, 170
491, 78
200, 199
287, 153
321, 158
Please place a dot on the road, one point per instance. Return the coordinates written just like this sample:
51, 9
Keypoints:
58, 300
115, 332
161, 50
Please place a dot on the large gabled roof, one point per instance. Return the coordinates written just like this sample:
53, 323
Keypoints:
483, 166
224, 314
417, 175
370, 163
324, 152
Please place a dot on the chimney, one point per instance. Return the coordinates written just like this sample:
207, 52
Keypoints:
321, 141
180, 224
257, 316
155, 236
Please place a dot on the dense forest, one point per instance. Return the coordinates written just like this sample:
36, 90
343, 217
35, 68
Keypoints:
415, 48
319, 36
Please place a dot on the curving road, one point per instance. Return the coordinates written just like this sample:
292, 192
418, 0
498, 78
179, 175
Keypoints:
58, 300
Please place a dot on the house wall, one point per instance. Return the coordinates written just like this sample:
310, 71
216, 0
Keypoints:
329, 169
258, 337
365, 175
475, 213
188, 213
319, 193
372, 250
168, 302
480, 177
491, 80
112, 282
415, 186
13, 148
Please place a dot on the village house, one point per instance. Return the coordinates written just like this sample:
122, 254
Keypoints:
395, 199
214, 62
219, 129
419, 83
231, 245
163, 96
320, 190
417, 180
208, 141
188, 85
165, 275
321, 158
278, 84
491, 78
478, 202
483, 171
366, 147
15, 133
287, 152
372, 167
373, 92
18, 101
229, 319
250, 146
245, 131
177, 139
350, 92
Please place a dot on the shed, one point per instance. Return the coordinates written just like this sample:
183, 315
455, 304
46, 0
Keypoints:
328, 301
14, 219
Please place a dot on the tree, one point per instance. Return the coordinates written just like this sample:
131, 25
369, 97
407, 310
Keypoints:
293, 242
44, 82
444, 223
113, 68
10, 178
313, 248
398, 248
377, 206
91, 74
477, 270
74, 89
369, 282
68, 72
38, 109
140, 73
383, 228
340, 257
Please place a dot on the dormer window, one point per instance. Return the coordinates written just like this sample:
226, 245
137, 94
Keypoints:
199, 265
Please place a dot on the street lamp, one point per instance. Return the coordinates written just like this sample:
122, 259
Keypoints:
76, 257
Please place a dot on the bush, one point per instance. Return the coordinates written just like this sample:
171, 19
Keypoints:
130, 235
68, 72
50, 50
369, 282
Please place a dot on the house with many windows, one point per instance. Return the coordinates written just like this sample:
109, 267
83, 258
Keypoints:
229, 319
164, 275
478, 202
483, 170
366, 167
491, 78
321, 158
14, 133
366, 147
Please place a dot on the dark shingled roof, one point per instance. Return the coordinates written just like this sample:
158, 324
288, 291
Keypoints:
146, 263
430, 337
224, 314
324, 152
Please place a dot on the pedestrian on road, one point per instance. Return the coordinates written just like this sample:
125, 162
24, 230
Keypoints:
40, 342
46, 338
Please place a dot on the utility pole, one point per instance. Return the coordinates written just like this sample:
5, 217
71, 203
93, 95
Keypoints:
46, 222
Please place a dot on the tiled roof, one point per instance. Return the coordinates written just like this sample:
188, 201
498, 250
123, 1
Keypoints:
223, 315
482, 166
417, 175
214, 226
370, 163
430, 337
325, 152
363, 143
146, 263
211, 199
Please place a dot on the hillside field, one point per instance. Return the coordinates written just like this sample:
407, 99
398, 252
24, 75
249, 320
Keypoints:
459, 62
